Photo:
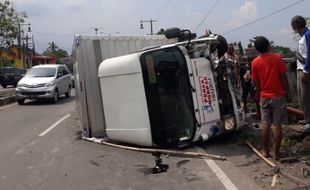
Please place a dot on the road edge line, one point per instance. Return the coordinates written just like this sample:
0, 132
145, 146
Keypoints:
54, 125
228, 184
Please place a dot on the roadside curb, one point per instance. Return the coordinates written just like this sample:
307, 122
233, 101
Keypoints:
7, 100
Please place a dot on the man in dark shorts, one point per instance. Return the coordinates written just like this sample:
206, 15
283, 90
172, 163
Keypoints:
269, 76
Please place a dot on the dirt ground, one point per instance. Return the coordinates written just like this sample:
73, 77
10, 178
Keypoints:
295, 144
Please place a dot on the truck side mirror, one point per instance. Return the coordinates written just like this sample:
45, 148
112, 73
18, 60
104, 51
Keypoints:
172, 33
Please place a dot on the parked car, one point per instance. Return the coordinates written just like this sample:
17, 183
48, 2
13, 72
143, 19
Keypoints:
10, 76
44, 82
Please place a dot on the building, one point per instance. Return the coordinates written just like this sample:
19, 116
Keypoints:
41, 59
11, 57
22, 58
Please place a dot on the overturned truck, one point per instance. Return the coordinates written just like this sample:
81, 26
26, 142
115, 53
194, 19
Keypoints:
162, 95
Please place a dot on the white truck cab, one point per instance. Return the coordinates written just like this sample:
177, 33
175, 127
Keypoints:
168, 95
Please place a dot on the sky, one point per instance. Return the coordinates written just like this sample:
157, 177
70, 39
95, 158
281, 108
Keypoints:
58, 20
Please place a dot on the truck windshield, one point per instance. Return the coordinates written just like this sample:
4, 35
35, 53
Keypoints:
169, 96
41, 72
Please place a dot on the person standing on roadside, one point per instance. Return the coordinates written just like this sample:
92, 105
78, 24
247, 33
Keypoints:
269, 76
303, 67
233, 65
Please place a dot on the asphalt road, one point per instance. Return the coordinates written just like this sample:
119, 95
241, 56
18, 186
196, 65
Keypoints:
41, 148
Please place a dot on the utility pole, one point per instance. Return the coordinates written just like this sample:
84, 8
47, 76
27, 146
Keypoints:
21, 50
151, 24
19, 41
33, 51
27, 51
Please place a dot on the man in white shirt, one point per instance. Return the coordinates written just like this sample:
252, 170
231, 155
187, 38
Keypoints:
303, 67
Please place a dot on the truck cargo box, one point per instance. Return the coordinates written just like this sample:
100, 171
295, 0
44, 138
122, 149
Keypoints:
88, 53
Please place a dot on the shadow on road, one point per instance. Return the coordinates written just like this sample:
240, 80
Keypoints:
43, 102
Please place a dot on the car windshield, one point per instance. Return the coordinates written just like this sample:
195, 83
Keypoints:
41, 72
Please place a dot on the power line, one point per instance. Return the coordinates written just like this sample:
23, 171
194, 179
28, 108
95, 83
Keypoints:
164, 9
40, 49
48, 34
205, 17
42, 45
263, 17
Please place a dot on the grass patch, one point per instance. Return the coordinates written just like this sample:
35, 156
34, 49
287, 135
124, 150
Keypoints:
242, 137
286, 142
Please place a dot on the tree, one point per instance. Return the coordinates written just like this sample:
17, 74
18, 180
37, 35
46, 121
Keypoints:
284, 51
10, 21
54, 51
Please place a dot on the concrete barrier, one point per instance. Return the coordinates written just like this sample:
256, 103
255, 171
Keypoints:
7, 100
7, 92
7, 96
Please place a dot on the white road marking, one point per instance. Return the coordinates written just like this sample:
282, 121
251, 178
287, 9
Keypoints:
219, 172
54, 125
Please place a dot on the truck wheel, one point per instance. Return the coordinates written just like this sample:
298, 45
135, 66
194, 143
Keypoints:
55, 98
68, 93
21, 101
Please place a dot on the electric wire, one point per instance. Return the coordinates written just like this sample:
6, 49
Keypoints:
206, 16
64, 35
48, 34
164, 9
263, 17
42, 44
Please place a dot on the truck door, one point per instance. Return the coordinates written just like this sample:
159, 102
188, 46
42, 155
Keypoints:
169, 96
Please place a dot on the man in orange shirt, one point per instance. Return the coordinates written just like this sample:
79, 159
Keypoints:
269, 76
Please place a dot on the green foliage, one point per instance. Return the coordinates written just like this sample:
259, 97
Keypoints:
308, 21
283, 50
241, 137
6, 63
9, 21
286, 142
54, 51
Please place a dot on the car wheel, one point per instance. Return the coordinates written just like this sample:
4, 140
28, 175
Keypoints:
4, 85
68, 94
21, 101
55, 98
